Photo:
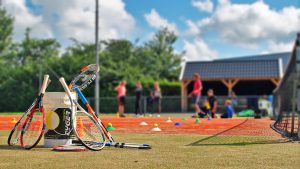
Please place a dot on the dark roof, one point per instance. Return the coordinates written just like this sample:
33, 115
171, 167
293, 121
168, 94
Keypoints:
224, 69
275, 56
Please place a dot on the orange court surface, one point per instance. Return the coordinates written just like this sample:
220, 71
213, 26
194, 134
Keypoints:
235, 126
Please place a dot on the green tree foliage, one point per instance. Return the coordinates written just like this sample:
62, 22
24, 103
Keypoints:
23, 63
6, 29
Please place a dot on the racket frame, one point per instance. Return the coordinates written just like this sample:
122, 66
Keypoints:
29, 117
73, 101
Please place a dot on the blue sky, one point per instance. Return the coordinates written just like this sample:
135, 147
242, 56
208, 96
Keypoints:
206, 29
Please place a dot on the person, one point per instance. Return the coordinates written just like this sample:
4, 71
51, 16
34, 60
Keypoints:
196, 93
138, 97
205, 109
212, 100
156, 98
121, 90
229, 111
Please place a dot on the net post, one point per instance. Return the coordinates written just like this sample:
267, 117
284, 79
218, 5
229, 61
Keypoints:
298, 82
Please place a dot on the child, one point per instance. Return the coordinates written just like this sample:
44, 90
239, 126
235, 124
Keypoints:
212, 100
121, 89
138, 97
228, 110
205, 109
196, 93
156, 97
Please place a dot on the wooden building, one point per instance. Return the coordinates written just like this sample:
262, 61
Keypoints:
247, 76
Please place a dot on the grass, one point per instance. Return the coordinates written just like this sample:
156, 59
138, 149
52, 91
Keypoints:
169, 151
11, 113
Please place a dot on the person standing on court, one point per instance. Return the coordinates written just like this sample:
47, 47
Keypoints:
156, 98
138, 97
212, 100
121, 90
196, 93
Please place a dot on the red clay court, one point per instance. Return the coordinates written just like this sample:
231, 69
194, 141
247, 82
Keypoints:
235, 126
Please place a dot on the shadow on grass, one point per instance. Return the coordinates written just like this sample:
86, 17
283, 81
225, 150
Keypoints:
221, 139
7, 147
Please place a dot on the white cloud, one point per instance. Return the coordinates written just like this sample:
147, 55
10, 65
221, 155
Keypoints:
156, 21
203, 5
249, 24
192, 30
24, 18
274, 47
72, 19
198, 50
76, 18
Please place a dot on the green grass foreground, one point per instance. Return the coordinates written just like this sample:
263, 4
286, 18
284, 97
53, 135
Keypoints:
169, 151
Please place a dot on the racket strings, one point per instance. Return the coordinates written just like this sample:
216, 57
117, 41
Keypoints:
89, 131
33, 129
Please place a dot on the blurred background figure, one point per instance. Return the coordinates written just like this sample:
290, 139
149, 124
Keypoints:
156, 99
138, 98
212, 100
121, 90
229, 111
196, 93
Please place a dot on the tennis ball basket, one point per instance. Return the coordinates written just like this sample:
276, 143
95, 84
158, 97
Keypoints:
59, 128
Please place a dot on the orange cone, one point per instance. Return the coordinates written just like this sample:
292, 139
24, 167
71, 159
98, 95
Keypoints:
14, 121
80, 127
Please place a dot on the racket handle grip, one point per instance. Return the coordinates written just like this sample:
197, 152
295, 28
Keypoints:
65, 86
83, 99
45, 83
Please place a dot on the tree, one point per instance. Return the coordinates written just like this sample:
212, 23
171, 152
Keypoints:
6, 30
159, 53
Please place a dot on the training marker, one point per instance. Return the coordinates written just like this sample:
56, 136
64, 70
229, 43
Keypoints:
197, 120
143, 123
184, 118
14, 121
169, 120
177, 124
110, 127
155, 127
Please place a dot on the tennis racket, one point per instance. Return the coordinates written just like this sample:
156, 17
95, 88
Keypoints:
86, 76
15, 133
34, 126
87, 130
111, 142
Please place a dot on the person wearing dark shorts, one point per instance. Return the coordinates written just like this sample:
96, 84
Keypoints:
156, 98
138, 97
196, 93
121, 90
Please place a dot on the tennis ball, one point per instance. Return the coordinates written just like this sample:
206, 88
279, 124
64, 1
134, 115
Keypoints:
155, 125
52, 120
109, 124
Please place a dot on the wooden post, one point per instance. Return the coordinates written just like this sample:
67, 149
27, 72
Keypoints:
184, 95
230, 84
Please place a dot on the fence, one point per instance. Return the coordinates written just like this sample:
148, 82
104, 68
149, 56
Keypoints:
170, 104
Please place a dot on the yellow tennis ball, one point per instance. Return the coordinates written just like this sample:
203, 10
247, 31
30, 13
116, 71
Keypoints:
52, 120
109, 124
155, 125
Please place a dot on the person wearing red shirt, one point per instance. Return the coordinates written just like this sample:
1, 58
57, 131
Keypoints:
121, 90
196, 93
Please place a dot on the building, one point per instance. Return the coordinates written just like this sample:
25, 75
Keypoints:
246, 76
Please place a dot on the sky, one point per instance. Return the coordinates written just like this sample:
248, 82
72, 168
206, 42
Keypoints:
206, 29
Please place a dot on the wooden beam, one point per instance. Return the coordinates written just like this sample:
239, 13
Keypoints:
235, 81
230, 83
275, 81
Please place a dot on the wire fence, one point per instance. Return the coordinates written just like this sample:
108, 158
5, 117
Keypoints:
172, 104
